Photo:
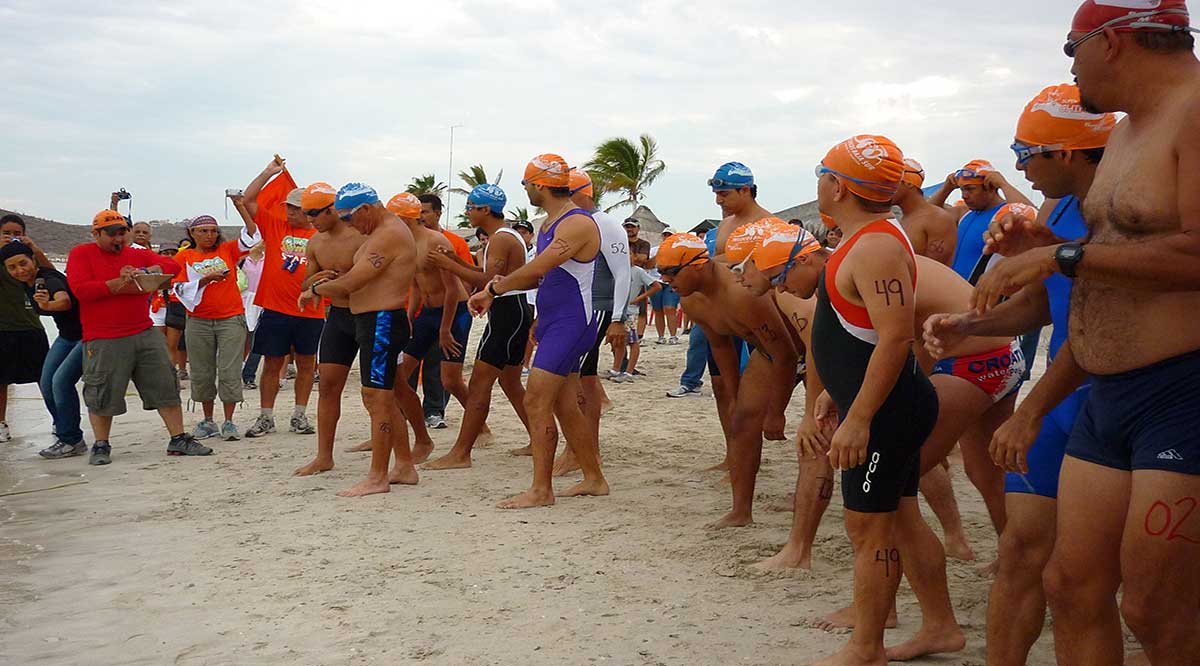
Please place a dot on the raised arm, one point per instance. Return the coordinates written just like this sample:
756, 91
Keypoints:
250, 195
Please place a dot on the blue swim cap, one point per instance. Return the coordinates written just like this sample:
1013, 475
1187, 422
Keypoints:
731, 176
488, 195
353, 195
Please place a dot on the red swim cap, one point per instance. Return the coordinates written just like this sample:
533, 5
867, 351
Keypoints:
1127, 15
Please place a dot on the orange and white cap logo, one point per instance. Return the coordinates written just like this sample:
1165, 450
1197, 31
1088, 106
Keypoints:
783, 245
405, 205
914, 173
318, 195
871, 166
1057, 118
744, 240
549, 170
681, 249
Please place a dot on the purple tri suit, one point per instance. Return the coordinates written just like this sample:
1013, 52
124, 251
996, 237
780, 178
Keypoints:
566, 324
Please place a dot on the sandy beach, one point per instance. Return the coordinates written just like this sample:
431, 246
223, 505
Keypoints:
232, 560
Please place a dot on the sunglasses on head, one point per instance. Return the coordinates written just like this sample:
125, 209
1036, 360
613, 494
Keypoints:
313, 212
718, 184
1025, 152
1137, 21
672, 271
346, 217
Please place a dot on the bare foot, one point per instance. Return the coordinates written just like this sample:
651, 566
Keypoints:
366, 487
958, 548
365, 446
784, 505
732, 519
404, 475
565, 464
929, 641
788, 558
848, 656
988, 570
723, 466
485, 439
421, 451
315, 467
590, 488
606, 407
527, 500
523, 451
844, 619
451, 460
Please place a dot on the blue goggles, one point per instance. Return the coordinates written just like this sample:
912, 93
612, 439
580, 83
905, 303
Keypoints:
821, 170
1025, 152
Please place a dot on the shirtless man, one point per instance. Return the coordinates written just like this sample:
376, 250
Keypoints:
932, 229
377, 286
728, 314
502, 348
862, 350
443, 320
568, 246
736, 193
1058, 147
1131, 478
330, 254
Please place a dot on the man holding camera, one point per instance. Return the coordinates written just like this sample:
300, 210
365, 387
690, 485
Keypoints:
118, 344
20, 327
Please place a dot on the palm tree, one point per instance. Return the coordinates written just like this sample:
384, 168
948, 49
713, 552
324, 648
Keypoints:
520, 214
427, 184
476, 175
620, 165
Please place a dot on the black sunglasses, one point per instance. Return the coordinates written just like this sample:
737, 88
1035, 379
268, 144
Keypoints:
313, 212
672, 271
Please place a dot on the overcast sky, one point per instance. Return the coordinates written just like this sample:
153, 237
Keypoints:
178, 101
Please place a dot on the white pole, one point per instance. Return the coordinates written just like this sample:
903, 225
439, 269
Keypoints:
450, 176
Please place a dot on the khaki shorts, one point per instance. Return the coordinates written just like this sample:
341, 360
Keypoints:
109, 365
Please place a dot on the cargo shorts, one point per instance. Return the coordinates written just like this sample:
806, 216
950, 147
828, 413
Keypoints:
109, 365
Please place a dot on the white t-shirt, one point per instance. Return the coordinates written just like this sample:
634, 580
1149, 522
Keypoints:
639, 279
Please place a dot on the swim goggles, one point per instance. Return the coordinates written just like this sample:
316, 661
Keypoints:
1137, 22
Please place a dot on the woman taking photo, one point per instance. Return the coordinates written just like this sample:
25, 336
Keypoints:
216, 323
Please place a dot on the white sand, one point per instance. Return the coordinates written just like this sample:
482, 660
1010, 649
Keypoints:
231, 560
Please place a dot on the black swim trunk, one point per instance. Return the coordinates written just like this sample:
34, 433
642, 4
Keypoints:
278, 334
381, 337
176, 315
426, 332
22, 354
893, 467
591, 362
339, 338
1144, 419
739, 348
507, 333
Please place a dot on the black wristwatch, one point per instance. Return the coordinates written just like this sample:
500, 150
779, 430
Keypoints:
491, 290
1068, 256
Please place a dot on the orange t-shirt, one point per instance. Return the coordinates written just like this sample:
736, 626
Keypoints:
222, 299
460, 246
284, 265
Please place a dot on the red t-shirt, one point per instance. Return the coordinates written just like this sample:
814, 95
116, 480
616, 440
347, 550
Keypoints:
106, 315
285, 248
222, 299
460, 246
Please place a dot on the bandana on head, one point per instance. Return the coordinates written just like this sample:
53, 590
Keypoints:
202, 221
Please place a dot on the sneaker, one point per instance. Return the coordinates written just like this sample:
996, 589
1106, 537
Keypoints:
5, 435
436, 422
186, 445
687, 331
674, 340
250, 385
612, 373
300, 426
205, 429
101, 454
660, 341
182, 373
621, 378
291, 372
637, 373
229, 432
64, 450
683, 392
263, 425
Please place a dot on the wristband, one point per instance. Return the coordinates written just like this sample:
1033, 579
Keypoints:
491, 290
313, 287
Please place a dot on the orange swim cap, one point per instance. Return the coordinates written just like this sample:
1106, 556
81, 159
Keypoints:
548, 170
914, 173
580, 181
317, 196
973, 172
783, 245
1056, 118
405, 205
871, 166
108, 218
744, 240
1018, 210
682, 249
